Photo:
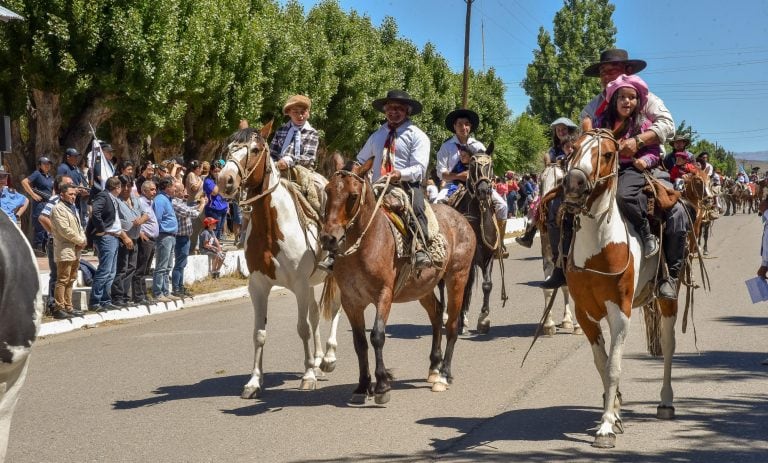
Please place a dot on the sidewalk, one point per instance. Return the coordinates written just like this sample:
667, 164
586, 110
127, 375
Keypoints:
235, 262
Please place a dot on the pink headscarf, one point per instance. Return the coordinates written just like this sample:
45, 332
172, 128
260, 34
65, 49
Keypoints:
632, 81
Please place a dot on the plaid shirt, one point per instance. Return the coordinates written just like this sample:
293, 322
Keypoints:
184, 215
310, 139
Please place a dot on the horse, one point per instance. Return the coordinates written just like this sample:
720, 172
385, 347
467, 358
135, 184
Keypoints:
549, 179
281, 248
698, 192
608, 275
369, 271
20, 314
475, 204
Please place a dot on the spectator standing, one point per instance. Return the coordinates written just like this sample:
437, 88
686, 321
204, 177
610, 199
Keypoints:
513, 193
193, 183
45, 222
217, 206
39, 187
12, 203
146, 173
166, 240
211, 246
131, 218
184, 216
148, 233
69, 168
69, 240
108, 233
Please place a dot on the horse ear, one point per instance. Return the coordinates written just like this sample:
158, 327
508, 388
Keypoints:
364, 167
489, 150
337, 161
266, 129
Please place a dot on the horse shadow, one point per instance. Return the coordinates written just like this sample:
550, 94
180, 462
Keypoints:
520, 330
744, 321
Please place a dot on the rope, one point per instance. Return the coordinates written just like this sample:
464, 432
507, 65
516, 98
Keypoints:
355, 247
536, 335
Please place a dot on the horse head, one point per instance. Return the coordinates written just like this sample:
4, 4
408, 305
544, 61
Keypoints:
480, 174
346, 194
592, 170
698, 189
248, 163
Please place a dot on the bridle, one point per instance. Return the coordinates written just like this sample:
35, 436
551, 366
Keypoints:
592, 183
244, 172
479, 172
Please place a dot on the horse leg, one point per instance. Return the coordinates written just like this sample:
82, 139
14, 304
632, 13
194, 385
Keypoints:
484, 319
259, 290
434, 310
569, 321
329, 360
464, 308
456, 291
550, 328
356, 318
705, 234
441, 290
305, 328
611, 423
378, 337
666, 409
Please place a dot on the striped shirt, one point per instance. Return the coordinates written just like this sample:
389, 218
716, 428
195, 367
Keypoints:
310, 139
184, 215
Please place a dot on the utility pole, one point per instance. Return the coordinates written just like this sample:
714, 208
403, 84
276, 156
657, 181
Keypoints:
466, 56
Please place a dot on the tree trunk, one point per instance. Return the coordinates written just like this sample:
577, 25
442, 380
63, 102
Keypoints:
191, 144
94, 112
44, 125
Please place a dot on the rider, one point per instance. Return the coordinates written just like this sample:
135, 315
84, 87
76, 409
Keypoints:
613, 63
401, 151
683, 159
703, 159
564, 131
462, 122
294, 147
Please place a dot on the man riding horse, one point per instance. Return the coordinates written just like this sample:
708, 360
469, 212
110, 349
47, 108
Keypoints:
614, 63
401, 152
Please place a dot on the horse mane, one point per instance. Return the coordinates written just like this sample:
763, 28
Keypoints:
349, 165
242, 135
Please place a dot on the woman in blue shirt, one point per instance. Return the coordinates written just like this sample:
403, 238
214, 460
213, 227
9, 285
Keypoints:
217, 206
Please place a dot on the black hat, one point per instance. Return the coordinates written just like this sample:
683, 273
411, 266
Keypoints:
472, 116
615, 55
71, 152
401, 97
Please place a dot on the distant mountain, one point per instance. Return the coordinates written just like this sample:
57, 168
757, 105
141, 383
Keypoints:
752, 156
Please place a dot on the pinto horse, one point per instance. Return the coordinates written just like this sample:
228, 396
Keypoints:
20, 314
279, 249
607, 274
476, 206
368, 271
549, 179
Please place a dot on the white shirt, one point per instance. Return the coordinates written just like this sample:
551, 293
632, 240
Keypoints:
411, 151
116, 226
709, 170
448, 154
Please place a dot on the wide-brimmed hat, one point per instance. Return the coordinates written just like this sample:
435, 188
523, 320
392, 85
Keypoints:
208, 221
628, 81
566, 122
399, 96
681, 137
297, 100
614, 55
470, 115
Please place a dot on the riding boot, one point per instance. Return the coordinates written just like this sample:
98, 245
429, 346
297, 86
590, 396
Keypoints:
557, 278
327, 264
421, 260
527, 238
674, 251
649, 240
502, 230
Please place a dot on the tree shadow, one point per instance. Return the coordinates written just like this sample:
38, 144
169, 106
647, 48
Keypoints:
744, 321
716, 366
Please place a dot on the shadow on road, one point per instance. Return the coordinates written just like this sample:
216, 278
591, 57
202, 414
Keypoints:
744, 321
715, 366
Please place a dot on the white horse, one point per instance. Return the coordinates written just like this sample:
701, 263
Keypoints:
549, 179
20, 313
608, 276
280, 250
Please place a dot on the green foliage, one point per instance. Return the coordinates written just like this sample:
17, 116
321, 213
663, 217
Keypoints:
554, 80
719, 157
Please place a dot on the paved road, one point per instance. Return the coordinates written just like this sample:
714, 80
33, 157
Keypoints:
167, 388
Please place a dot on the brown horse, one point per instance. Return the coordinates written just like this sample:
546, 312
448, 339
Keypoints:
368, 271
698, 193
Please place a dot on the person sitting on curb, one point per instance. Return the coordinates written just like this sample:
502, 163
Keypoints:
211, 246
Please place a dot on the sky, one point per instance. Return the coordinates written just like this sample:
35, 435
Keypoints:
707, 59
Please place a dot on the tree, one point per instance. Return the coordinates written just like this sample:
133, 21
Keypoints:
554, 80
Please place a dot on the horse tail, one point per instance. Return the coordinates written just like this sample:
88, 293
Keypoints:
652, 316
329, 300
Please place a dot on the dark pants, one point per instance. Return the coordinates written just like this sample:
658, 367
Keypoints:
417, 203
126, 269
53, 273
555, 231
181, 252
145, 251
632, 203
40, 236
221, 216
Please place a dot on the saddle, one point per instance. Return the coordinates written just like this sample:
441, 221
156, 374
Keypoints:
661, 196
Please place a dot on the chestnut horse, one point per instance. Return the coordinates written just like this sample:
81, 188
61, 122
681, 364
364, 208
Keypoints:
607, 274
279, 249
368, 271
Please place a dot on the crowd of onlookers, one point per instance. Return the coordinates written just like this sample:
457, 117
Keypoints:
127, 215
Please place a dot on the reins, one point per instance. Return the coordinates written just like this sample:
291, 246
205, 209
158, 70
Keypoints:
245, 173
356, 246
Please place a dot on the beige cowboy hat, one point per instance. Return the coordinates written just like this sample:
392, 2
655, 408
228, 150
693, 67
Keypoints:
681, 137
470, 115
615, 55
297, 100
399, 96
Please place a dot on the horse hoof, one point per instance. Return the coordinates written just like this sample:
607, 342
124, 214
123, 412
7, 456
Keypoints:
433, 377
550, 330
327, 366
464, 330
440, 385
483, 326
664, 412
358, 399
308, 385
251, 392
605, 442
577, 330
568, 326
706, 253
382, 398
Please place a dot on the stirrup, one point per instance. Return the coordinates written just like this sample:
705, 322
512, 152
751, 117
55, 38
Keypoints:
421, 260
650, 246
556, 280
327, 264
